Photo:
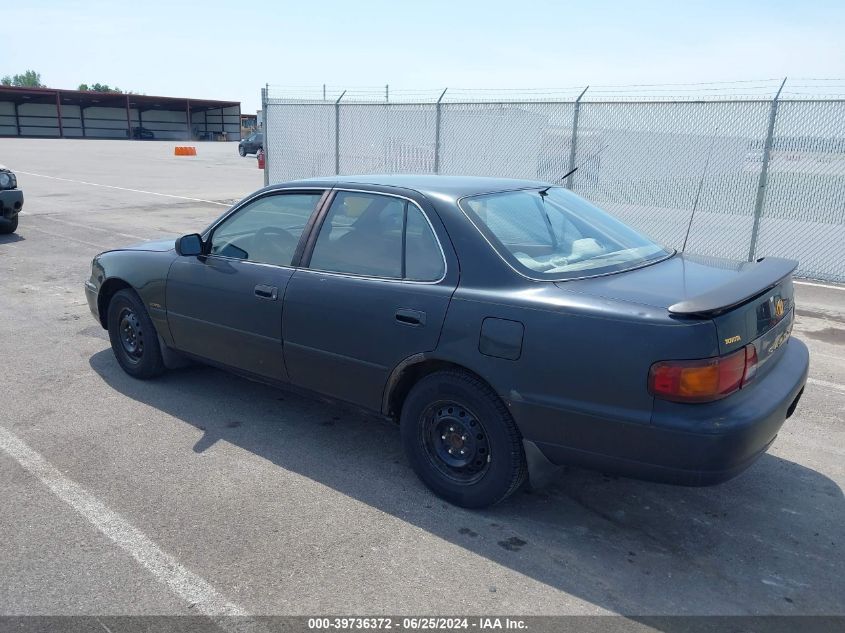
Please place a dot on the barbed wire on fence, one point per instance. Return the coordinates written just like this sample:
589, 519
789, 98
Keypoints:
752, 89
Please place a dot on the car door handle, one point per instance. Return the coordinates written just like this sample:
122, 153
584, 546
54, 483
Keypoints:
410, 317
266, 292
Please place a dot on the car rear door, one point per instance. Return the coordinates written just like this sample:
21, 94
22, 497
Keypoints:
373, 290
226, 305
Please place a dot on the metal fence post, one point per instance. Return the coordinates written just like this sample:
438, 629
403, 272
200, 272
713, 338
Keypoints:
337, 133
266, 143
573, 144
437, 132
764, 175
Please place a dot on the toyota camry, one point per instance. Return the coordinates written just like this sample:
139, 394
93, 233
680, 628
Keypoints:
508, 326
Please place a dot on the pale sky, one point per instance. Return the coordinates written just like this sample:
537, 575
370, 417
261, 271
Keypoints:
228, 50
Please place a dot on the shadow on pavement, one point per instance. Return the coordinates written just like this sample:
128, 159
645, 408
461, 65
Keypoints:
11, 238
768, 542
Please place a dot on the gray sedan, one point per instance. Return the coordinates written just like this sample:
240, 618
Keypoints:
508, 326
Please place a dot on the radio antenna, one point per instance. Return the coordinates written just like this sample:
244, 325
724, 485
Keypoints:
700, 187
586, 160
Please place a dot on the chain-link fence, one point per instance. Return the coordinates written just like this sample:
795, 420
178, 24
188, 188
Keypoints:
765, 174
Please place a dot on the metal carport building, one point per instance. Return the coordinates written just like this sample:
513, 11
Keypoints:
51, 112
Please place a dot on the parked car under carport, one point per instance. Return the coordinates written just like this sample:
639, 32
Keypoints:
251, 144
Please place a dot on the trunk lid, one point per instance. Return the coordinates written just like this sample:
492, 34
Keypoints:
766, 321
747, 301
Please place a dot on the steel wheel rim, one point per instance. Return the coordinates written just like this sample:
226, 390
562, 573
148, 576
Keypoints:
131, 335
455, 442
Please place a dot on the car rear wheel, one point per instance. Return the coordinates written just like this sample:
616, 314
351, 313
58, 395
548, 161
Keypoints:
9, 225
241, 150
134, 340
461, 440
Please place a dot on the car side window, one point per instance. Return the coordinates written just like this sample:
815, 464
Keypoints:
266, 230
423, 257
377, 236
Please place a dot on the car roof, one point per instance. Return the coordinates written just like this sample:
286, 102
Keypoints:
453, 187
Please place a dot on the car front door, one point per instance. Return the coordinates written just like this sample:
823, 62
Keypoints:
226, 305
373, 290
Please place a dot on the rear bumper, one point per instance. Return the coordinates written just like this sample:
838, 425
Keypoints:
11, 202
688, 444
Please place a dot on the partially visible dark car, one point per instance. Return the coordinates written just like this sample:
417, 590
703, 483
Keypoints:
11, 201
251, 144
142, 133
509, 326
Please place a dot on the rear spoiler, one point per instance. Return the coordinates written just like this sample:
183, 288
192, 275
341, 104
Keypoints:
755, 279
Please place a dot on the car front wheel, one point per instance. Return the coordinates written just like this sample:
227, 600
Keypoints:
461, 440
134, 340
241, 150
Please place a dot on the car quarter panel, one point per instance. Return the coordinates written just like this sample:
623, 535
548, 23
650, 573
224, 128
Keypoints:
581, 375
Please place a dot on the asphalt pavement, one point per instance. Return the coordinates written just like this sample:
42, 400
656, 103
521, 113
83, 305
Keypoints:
202, 492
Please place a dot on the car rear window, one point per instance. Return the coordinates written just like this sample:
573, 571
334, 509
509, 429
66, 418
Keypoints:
550, 233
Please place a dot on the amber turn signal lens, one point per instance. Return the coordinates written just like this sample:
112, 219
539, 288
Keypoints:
702, 380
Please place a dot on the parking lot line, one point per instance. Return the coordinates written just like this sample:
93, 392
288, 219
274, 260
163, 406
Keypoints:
67, 237
825, 383
817, 285
152, 193
186, 584
111, 232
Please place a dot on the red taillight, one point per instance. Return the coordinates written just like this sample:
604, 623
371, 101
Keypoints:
750, 363
702, 380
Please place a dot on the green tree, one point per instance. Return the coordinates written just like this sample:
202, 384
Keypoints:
98, 87
29, 79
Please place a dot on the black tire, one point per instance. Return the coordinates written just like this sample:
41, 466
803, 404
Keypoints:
8, 225
133, 336
451, 411
241, 150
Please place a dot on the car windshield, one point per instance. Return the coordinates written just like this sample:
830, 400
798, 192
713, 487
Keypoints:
551, 233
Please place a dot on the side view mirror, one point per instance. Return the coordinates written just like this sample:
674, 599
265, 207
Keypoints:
188, 245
